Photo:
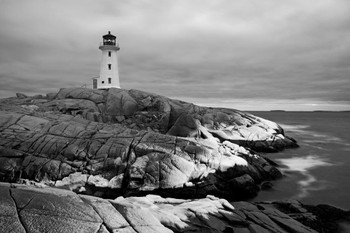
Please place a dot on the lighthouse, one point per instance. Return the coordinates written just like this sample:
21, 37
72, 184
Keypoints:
109, 73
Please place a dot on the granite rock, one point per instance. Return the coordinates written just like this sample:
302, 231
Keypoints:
30, 209
116, 141
144, 110
62, 150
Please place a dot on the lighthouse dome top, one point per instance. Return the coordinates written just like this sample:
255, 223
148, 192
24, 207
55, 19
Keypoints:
109, 36
109, 40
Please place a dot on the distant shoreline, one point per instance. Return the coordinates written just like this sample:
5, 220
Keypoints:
283, 111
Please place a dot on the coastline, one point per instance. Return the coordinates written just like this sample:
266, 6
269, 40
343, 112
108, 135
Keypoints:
141, 130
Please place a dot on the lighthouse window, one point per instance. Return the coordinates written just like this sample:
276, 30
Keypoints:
103, 82
109, 53
109, 66
109, 80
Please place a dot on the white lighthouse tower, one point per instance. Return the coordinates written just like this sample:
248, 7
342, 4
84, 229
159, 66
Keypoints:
109, 73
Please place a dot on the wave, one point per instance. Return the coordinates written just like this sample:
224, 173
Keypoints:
294, 128
310, 184
312, 137
303, 165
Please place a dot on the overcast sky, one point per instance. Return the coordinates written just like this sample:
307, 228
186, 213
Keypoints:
244, 54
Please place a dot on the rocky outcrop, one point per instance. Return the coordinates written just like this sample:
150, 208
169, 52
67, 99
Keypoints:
63, 150
29, 209
145, 111
118, 142
114, 143
135, 142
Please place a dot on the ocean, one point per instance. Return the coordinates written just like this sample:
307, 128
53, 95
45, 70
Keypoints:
318, 172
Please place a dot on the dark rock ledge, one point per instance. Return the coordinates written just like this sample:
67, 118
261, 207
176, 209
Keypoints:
29, 209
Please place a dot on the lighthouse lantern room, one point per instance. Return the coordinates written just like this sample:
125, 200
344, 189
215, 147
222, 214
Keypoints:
109, 73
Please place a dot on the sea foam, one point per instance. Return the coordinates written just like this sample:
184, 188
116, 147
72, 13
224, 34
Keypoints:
303, 165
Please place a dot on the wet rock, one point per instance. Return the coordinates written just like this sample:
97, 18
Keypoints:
245, 184
267, 185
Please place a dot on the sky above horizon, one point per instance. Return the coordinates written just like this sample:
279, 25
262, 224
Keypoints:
249, 55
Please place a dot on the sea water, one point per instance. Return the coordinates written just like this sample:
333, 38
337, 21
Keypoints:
319, 170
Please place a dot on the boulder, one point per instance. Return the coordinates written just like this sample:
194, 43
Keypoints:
185, 126
120, 103
21, 96
37, 96
51, 96
96, 96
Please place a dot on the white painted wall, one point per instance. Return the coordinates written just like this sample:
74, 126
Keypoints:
105, 73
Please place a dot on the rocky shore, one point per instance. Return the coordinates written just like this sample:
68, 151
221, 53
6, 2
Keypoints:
30, 209
136, 152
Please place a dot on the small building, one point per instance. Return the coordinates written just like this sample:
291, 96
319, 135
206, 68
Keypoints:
109, 72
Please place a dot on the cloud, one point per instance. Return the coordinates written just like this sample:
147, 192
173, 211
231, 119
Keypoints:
196, 49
